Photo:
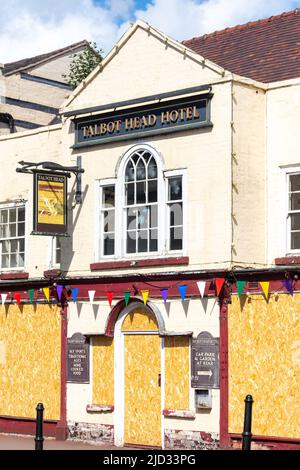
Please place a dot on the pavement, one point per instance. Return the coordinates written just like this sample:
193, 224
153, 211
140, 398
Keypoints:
18, 442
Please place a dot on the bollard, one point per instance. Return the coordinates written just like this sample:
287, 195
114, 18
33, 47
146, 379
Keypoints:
39, 439
247, 434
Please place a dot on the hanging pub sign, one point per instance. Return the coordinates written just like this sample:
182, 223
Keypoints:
50, 203
164, 117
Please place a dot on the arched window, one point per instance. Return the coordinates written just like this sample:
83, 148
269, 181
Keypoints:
142, 209
141, 203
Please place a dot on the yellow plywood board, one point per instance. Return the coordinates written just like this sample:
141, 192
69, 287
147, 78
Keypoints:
30, 338
177, 373
103, 370
139, 321
264, 361
142, 392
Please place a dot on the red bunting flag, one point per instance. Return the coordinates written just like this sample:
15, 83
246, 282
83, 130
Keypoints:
17, 296
219, 284
110, 296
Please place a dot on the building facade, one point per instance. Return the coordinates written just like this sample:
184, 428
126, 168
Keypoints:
147, 324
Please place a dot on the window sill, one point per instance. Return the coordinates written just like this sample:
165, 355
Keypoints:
187, 414
287, 261
141, 263
10, 276
100, 408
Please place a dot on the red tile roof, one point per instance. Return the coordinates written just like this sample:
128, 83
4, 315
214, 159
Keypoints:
266, 50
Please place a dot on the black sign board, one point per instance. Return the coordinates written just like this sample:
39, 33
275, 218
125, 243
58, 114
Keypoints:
78, 359
205, 361
171, 116
50, 203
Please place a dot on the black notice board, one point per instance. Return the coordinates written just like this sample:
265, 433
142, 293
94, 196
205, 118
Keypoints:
205, 361
78, 359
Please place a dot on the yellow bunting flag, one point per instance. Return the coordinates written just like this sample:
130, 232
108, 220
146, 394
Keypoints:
265, 287
46, 291
145, 295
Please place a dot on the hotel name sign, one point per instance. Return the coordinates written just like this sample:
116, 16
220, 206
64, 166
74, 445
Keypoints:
164, 117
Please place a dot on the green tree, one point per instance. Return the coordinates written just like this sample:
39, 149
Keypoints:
82, 64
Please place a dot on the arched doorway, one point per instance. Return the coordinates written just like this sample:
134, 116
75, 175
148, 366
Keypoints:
138, 377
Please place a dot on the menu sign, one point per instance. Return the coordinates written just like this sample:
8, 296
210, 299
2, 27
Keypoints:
78, 359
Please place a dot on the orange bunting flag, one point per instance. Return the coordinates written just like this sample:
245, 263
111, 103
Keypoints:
265, 287
110, 296
145, 295
46, 291
219, 284
17, 296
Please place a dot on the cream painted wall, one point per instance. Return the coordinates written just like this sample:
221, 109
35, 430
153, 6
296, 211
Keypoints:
194, 315
149, 66
206, 155
283, 153
249, 175
35, 146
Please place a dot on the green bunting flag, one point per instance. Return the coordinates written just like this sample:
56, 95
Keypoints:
31, 295
126, 297
240, 286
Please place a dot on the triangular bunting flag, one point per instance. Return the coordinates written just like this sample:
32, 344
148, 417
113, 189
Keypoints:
17, 296
110, 296
265, 288
31, 295
3, 298
126, 297
164, 293
182, 290
46, 291
240, 286
92, 295
145, 295
288, 284
74, 293
219, 284
59, 290
201, 286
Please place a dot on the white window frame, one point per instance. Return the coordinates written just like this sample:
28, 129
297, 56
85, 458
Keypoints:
289, 172
52, 253
121, 211
14, 205
167, 175
99, 252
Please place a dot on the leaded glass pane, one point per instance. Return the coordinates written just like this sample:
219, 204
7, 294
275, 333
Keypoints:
141, 193
140, 170
152, 191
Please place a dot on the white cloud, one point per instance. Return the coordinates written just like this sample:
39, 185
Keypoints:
30, 27
183, 19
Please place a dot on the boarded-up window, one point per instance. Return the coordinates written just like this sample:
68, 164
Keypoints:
103, 370
177, 373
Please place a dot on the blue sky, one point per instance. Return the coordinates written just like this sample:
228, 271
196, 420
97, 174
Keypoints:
31, 27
